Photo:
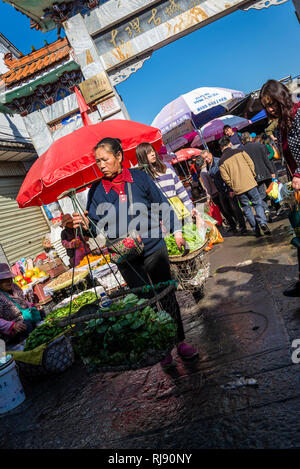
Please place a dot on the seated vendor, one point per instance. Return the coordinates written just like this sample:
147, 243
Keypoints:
69, 242
13, 327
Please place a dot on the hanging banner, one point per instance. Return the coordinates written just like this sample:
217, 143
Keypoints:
183, 128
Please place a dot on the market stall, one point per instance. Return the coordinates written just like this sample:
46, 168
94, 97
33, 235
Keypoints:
110, 325
49, 179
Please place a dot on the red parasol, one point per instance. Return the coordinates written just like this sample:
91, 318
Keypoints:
185, 154
70, 163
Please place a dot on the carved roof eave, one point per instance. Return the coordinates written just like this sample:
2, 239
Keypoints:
19, 146
28, 88
44, 25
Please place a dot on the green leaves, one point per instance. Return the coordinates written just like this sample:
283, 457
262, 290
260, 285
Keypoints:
124, 339
190, 234
77, 303
42, 334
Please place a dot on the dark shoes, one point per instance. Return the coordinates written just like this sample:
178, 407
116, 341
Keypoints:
243, 230
187, 352
265, 229
279, 211
294, 291
268, 216
168, 362
232, 229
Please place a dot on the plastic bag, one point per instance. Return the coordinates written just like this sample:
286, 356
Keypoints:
201, 224
215, 213
275, 190
215, 236
210, 221
276, 155
294, 217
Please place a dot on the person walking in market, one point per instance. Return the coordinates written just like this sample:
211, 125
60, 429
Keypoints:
118, 185
278, 103
264, 168
237, 171
233, 136
218, 192
166, 179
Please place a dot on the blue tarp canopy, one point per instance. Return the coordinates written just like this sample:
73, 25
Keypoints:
261, 115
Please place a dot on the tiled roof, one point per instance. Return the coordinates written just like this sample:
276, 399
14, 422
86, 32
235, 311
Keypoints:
27, 66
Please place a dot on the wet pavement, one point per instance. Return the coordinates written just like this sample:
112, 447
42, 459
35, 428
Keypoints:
244, 327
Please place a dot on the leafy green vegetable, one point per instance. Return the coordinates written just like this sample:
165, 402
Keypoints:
77, 303
42, 334
124, 339
190, 234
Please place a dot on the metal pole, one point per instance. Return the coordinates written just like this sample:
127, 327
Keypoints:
200, 135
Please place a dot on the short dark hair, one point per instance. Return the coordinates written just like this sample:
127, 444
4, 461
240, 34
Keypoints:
246, 137
225, 128
224, 142
114, 145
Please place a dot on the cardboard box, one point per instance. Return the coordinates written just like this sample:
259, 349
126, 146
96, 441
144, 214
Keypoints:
47, 266
60, 269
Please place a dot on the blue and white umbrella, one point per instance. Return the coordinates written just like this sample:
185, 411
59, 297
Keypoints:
214, 129
200, 106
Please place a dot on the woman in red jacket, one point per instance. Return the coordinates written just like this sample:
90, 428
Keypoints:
277, 101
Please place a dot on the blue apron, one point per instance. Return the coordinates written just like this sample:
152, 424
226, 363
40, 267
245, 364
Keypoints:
32, 314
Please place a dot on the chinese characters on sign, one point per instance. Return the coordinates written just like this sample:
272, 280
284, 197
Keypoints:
96, 87
108, 107
149, 19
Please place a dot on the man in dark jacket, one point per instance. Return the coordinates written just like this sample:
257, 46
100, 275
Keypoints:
237, 171
233, 137
264, 168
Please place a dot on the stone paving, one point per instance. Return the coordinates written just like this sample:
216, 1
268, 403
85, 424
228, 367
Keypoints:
244, 327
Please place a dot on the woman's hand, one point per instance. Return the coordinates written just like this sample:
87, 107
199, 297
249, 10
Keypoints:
296, 183
179, 240
79, 220
194, 212
75, 243
19, 327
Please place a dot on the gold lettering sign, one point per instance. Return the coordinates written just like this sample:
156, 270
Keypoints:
96, 87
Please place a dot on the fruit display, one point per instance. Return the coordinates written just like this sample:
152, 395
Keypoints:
30, 276
98, 260
65, 280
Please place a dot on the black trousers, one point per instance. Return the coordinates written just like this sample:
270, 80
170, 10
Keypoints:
157, 266
230, 209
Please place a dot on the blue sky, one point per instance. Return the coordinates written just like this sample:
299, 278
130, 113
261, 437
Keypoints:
240, 51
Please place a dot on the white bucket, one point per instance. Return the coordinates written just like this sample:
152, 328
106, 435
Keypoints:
11, 389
